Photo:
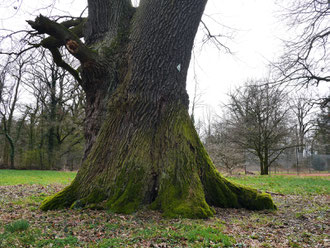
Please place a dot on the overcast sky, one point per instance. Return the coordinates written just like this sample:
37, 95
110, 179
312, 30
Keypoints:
254, 26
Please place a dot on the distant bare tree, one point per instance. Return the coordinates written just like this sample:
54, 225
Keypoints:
208, 116
258, 121
302, 107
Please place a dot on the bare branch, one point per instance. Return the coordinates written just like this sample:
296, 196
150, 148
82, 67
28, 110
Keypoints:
306, 58
214, 38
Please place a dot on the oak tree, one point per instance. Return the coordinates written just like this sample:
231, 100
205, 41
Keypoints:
141, 145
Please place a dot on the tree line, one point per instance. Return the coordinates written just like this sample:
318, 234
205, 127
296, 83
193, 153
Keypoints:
42, 111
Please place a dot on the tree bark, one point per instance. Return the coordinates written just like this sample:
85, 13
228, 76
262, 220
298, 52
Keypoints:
264, 170
142, 148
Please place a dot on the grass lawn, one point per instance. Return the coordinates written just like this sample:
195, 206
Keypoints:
288, 185
301, 221
294, 185
15, 177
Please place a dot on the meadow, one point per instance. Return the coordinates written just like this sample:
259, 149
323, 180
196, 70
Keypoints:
302, 218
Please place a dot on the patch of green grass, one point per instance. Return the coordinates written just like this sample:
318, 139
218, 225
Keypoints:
112, 226
262, 219
18, 234
69, 241
15, 177
194, 235
294, 244
35, 238
293, 185
185, 233
19, 239
207, 236
32, 202
114, 242
17, 226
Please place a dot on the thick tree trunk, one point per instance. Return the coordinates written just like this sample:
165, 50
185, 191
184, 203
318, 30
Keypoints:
264, 163
9, 146
9, 152
264, 170
12, 151
5, 153
144, 149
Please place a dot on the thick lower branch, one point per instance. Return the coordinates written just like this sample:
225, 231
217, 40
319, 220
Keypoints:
46, 26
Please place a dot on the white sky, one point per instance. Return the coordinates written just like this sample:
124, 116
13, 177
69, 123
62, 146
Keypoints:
256, 41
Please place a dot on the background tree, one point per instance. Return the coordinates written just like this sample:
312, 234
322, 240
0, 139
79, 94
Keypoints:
45, 133
56, 93
11, 81
223, 152
321, 146
258, 121
303, 109
54, 121
323, 129
141, 146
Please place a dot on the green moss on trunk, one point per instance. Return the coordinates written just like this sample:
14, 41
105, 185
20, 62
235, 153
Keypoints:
127, 198
177, 199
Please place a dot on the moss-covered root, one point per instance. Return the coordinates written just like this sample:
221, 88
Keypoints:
62, 199
250, 198
177, 199
222, 193
128, 200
